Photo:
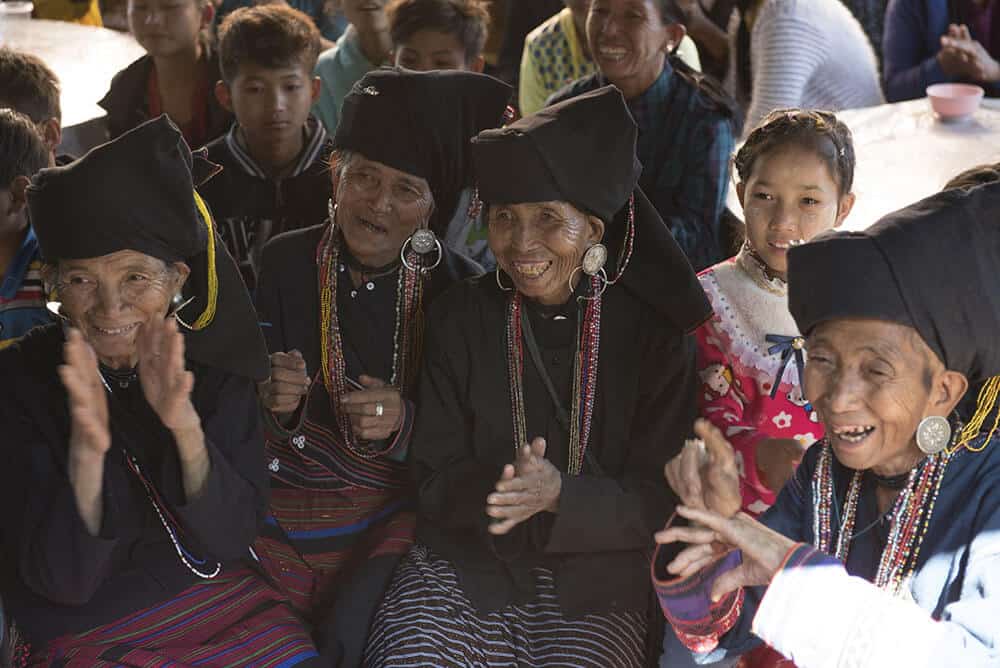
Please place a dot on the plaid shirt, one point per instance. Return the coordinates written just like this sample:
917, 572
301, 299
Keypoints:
685, 143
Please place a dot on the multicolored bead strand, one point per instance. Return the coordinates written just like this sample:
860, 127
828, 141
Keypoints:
406, 338
584, 375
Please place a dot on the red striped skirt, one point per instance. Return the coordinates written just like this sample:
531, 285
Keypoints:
235, 620
315, 538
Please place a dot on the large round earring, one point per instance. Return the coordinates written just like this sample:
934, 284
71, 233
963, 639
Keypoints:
422, 242
594, 259
500, 283
178, 303
933, 434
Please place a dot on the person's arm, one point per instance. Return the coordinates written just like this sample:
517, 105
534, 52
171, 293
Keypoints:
531, 93
620, 512
232, 500
692, 208
907, 64
784, 52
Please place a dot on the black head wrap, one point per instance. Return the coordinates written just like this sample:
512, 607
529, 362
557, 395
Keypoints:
420, 123
137, 193
932, 266
582, 151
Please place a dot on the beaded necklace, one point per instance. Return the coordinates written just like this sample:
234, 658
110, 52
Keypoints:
584, 374
910, 517
170, 524
407, 337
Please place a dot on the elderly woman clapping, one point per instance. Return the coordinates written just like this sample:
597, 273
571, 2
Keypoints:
883, 549
132, 479
552, 394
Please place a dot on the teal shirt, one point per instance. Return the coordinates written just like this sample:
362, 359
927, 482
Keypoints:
339, 69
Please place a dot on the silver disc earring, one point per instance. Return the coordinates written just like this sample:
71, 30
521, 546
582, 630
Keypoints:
933, 434
594, 259
421, 242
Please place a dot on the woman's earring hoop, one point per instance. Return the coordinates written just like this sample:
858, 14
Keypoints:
178, 303
422, 242
500, 283
933, 434
601, 274
591, 265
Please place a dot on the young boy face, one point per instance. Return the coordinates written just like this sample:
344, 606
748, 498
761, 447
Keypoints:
270, 103
428, 49
166, 28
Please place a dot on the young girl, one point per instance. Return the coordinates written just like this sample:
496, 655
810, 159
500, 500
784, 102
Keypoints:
175, 77
795, 174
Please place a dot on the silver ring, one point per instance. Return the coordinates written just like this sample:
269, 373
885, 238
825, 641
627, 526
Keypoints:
379, 409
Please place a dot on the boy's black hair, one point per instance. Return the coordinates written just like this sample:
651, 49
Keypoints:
271, 35
22, 150
28, 86
467, 20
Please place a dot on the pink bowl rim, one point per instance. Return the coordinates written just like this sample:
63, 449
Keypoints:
958, 90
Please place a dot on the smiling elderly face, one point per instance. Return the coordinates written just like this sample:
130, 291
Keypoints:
872, 382
109, 298
540, 246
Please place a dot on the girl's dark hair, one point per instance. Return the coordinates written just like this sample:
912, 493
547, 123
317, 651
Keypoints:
467, 20
818, 131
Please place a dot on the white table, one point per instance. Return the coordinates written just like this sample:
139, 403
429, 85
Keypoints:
905, 154
85, 59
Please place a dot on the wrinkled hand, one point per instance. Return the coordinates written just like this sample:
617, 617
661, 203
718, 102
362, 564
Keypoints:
763, 550
527, 487
777, 459
165, 381
88, 401
289, 381
362, 406
704, 475
963, 56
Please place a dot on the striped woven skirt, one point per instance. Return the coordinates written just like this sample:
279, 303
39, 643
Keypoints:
426, 620
235, 620
312, 539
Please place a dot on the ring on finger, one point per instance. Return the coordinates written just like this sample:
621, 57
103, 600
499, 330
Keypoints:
379, 409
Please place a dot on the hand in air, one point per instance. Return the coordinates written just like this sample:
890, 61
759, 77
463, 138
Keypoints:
704, 475
88, 399
165, 381
528, 486
763, 550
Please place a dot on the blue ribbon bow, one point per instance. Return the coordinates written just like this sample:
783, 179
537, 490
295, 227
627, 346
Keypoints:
788, 346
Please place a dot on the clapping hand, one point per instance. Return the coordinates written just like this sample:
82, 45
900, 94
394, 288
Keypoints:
704, 475
282, 392
963, 56
166, 383
88, 401
763, 550
528, 486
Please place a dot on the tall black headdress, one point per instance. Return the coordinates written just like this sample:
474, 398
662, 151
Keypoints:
137, 193
582, 151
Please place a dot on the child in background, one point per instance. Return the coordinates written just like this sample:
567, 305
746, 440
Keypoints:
22, 298
175, 77
438, 34
28, 86
795, 174
275, 156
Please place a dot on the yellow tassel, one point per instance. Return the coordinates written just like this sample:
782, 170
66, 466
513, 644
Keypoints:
985, 404
205, 319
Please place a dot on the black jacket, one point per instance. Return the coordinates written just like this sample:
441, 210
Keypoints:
127, 100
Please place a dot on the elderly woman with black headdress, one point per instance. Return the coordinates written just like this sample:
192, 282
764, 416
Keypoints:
343, 305
131, 477
552, 394
884, 549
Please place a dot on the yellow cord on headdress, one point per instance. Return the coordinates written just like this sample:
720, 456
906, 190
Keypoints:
985, 404
205, 319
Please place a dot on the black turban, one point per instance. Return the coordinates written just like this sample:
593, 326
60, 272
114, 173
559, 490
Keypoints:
582, 151
137, 193
421, 123
933, 266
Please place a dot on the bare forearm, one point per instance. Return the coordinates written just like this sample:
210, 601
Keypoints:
710, 38
195, 462
86, 476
